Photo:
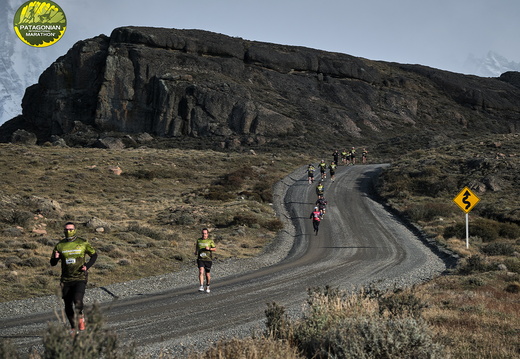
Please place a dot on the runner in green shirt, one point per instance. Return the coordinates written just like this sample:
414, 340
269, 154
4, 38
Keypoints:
72, 251
204, 249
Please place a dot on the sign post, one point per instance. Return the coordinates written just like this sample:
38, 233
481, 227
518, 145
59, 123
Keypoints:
466, 200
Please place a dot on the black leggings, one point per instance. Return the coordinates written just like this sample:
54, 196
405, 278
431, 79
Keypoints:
72, 294
316, 225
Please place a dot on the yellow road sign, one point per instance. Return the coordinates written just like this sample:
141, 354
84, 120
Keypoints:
466, 200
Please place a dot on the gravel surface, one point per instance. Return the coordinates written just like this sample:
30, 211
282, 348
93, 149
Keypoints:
432, 265
274, 253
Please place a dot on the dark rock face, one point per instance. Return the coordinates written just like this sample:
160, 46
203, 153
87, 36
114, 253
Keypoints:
197, 84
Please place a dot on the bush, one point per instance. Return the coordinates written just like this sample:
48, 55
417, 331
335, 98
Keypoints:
370, 337
149, 232
277, 323
245, 219
219, 193
401, 303
513, 288
509, 230
485, 229
513, 265
249, 348
476, 281
498, 249
35, 262
430, 187
264, 191
273, 225
428, 211
456, 231
474, 263
8, 350
22, 218
369, 324
233, 181
95, 342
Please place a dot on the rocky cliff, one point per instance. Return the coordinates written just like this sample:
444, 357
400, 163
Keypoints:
193, 84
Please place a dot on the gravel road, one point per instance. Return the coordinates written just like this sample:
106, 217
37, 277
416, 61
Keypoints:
359, 243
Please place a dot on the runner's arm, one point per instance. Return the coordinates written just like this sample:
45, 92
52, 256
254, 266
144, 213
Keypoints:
91, 261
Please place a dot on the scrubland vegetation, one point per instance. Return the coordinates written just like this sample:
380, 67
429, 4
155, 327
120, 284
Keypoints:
163, 197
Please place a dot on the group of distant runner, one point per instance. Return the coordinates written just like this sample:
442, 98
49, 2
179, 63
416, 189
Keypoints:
347, 158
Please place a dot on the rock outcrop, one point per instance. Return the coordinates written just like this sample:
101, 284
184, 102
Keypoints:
195, 84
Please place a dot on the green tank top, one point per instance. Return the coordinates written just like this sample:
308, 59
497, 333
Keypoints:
72, 255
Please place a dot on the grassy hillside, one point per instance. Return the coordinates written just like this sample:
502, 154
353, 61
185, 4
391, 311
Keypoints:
137, 207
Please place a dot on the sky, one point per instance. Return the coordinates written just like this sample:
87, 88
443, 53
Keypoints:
441, 34
437, 33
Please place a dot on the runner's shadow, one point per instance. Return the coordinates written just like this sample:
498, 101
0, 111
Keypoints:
350, 247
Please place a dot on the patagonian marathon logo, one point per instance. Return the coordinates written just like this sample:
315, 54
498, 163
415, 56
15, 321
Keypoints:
40, 23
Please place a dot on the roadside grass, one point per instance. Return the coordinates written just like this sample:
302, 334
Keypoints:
150, 212
474, 311
474, 316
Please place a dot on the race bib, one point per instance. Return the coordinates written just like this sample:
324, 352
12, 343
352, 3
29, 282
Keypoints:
70, 261
202, 255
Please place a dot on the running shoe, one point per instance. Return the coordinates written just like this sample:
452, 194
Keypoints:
207, 289
81, 323
201, 288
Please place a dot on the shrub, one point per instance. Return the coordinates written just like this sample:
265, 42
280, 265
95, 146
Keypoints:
249, 348
474, 263
368, 337
430, 187
498, 249
355, 326
476, 281
513, 264
274, 225
142, 174
401, 303
456, 231
485, 229
233, 181
95, 342
277, 323
245, 219
30, 245
219, 193
509, 230
427, 211
35, 262
263, 189
21, 218
513, 288
149, 232
8, 350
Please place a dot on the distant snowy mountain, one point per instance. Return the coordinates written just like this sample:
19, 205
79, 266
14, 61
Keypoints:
20, 64
492, 65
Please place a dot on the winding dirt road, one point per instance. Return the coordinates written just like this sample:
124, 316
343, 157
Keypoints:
358, 243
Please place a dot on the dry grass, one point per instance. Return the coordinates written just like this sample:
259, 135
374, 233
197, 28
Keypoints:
474, 316
251, 348
156, 208
152, 212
